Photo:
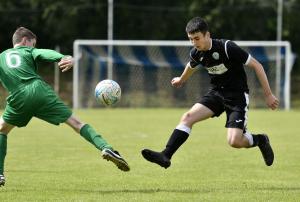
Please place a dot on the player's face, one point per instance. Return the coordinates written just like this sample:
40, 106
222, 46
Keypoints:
200, 41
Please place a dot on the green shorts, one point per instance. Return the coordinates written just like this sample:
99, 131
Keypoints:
37, 99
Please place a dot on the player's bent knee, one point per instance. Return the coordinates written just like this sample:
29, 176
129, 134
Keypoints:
235, 138
187, 118
75, 123
4, 129
234, 142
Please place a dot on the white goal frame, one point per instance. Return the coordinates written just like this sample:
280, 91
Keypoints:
111, 43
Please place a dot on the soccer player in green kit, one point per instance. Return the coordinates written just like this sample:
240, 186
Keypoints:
29, 96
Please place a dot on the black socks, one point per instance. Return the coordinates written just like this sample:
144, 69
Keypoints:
257, 139
177, 138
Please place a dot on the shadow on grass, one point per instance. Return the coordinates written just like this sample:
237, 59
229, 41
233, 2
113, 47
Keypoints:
150, 191
143, 191
280, 189
120, 191
38, 171
187, 191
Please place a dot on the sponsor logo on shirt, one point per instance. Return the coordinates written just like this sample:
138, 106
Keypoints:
219, 69
216, 55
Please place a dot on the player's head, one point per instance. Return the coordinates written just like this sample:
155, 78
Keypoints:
197, 31
195, 25
24, 37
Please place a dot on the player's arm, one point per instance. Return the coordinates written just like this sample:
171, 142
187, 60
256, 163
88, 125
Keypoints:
192, 66
186, 74
64, 62
271, 100
46, 55
237, 54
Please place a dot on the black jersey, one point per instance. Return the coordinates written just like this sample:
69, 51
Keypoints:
224, 62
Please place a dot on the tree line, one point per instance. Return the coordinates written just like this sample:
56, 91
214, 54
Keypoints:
58, 22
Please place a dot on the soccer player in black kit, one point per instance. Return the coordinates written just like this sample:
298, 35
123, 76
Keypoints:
224, 62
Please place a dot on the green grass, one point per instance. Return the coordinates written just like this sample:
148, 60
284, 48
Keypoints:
49, 163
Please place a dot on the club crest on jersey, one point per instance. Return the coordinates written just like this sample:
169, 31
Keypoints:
216, 55
219, 69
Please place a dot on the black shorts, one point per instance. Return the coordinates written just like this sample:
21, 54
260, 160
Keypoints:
235, 104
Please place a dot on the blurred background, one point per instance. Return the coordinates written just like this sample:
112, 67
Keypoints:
59, 23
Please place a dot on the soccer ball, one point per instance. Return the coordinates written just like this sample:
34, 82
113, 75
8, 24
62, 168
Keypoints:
108, 92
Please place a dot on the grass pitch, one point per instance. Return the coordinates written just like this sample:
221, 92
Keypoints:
49, 163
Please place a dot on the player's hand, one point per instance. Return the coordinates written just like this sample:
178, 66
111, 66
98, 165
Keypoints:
176, 82
272, 101
66, 63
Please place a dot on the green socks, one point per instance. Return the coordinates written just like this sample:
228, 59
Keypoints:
93, 137
3, 146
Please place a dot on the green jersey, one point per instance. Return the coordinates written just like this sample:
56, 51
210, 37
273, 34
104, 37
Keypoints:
19, 65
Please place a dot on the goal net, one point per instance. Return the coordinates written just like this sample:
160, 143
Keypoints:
144, 70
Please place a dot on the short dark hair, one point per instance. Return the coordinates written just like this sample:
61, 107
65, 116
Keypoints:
197, 24
20, 33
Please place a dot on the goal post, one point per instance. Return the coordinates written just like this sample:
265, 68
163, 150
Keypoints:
144, 69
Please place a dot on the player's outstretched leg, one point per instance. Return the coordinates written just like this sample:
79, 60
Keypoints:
115, 157
266, 149
156, 157
2, 180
